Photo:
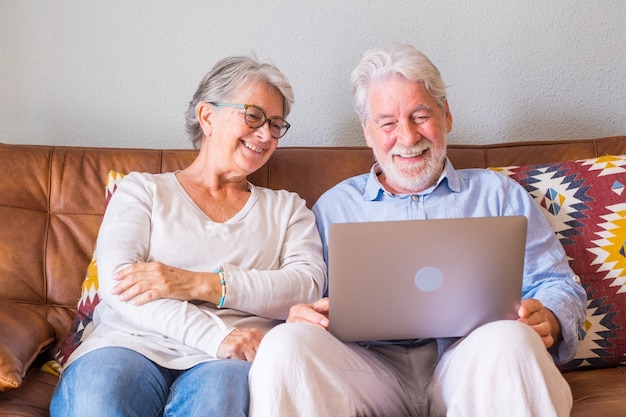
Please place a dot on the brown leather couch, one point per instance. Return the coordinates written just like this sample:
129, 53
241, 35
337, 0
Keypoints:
51, 205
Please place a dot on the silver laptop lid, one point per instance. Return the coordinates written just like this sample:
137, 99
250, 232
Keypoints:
423, 278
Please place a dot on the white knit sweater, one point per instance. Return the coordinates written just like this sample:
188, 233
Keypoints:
270, 253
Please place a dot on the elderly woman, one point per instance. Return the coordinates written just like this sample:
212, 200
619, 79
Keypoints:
196, 265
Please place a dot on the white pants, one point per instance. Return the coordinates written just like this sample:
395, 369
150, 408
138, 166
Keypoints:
501, 369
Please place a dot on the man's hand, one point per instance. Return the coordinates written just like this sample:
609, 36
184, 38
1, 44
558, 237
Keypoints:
316, 313
240, 344
543, 321
146, 281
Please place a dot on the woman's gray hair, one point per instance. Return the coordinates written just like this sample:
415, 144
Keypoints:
225, 79
401, 60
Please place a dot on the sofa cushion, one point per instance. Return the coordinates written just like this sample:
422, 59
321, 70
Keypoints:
24, 334
585, 204
82, 325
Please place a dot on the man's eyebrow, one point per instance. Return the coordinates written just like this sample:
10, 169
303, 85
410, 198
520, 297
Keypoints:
422, 107
379, 117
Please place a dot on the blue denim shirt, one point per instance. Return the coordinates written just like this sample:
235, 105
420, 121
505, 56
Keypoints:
471, 193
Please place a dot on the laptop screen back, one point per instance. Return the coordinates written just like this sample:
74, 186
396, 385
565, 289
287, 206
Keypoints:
423, 278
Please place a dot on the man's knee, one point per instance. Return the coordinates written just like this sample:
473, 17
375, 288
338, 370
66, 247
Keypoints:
507, 332
284, 345
290, 338
506, 341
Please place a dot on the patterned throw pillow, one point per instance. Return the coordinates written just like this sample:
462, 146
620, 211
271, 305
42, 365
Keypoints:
82, 326
585, 203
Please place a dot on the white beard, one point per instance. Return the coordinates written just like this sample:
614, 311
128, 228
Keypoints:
417, 177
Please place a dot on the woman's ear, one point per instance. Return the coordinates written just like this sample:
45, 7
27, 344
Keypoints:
204, 112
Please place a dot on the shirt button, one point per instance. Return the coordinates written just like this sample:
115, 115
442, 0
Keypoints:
415, 198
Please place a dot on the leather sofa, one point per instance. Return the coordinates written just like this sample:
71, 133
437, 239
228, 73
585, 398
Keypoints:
51, 205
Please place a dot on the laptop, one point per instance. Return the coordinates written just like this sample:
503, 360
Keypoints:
397, 280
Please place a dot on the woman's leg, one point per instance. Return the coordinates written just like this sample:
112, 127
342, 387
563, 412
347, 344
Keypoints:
111, 382
215, 388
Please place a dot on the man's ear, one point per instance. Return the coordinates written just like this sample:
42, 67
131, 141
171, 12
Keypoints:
448, 118
204, 112
366, 134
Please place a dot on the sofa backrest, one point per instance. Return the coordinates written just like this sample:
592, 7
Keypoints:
52, 200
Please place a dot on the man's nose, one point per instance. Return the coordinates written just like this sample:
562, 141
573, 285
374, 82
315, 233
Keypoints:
408, 133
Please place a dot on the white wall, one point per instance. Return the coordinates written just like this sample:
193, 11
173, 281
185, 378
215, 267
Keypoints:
120, 72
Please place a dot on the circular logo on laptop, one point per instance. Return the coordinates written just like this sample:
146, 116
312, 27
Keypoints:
429, 279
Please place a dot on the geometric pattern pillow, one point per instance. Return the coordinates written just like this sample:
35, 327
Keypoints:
585, 204
82, 326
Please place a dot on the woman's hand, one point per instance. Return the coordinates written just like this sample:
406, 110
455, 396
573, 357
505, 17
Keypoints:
240, 344
146, 281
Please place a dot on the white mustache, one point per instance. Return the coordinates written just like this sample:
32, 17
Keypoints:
408, 152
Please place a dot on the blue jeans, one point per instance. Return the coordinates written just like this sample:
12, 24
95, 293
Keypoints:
115, 382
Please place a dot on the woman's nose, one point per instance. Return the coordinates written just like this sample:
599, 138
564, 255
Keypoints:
264, 131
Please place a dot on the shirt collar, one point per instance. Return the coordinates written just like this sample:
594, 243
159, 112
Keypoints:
373, 187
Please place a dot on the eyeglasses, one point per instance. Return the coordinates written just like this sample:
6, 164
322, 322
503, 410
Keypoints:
255, 117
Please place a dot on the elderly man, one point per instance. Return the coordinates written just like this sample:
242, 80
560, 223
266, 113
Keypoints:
504, 368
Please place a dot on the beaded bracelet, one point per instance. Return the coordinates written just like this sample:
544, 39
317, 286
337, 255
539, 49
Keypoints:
223, 284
